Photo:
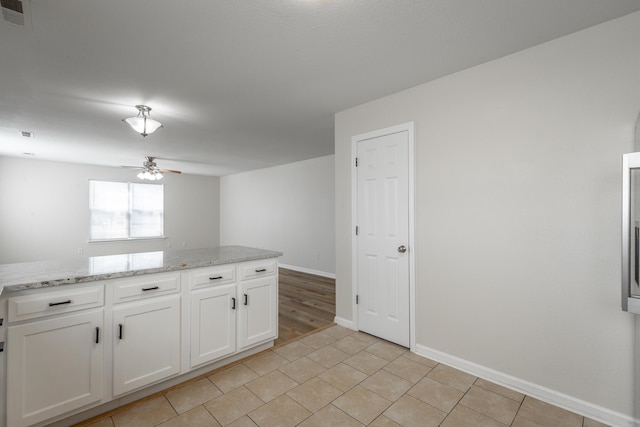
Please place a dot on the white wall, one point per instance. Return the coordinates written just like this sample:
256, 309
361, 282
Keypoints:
518, 215
287, 208
44, 211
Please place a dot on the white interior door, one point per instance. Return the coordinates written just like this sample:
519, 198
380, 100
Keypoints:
383, 296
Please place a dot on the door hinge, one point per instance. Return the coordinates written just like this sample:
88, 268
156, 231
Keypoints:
356, 162
357, 299
356, 230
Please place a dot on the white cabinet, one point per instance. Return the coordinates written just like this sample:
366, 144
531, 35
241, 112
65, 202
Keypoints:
245, 313
258, 297
69, 349
213, 323
213, 276
54, 303
257, 269
152, 285
146, 344
54, 366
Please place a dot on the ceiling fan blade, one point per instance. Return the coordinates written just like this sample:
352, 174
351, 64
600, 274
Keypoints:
170, 170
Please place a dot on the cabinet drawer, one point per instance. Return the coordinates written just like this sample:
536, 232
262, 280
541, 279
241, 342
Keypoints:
135, 288
219, 275
51, 303
253, 269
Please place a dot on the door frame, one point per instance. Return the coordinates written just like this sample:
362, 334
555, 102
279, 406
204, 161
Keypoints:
410, 128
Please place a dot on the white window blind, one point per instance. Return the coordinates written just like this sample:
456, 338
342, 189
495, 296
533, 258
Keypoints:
121, 210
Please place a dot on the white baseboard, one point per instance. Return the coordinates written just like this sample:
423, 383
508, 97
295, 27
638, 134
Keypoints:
344, 322
570, 403
309, 271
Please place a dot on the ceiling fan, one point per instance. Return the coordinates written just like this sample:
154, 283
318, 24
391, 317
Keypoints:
150, 170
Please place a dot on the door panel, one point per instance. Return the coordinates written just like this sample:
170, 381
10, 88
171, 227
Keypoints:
213, 323
147, 342
54, 366
383, 227
258, 319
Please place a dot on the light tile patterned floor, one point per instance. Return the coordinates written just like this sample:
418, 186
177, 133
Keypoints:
337, 377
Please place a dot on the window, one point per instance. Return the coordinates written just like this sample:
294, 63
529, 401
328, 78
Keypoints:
124, 210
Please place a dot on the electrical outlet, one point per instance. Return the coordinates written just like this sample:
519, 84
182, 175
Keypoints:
80, 251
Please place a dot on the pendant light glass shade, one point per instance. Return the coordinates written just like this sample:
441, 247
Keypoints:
143, 123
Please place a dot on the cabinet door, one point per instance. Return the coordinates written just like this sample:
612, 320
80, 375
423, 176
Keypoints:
146, 345
213, 323
258, 317
54, 366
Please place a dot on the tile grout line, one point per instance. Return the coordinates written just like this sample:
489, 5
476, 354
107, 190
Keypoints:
519, 407
333, 345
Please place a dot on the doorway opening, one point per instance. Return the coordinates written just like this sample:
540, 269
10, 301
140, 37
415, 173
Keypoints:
307, 302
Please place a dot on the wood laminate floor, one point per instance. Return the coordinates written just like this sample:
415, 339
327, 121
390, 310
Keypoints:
307, 302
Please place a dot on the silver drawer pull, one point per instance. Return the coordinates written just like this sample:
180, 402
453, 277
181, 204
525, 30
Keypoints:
260, 270
53, 304
153, 288
215, 278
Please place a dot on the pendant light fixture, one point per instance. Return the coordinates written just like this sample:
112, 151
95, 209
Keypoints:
143, 123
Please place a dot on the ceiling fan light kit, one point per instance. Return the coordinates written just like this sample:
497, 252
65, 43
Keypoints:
143, 123
151, 171
150, 175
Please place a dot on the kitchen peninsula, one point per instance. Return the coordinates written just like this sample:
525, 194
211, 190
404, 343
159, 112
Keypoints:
85, 335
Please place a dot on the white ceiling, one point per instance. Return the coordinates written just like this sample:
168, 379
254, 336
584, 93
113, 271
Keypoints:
242, 84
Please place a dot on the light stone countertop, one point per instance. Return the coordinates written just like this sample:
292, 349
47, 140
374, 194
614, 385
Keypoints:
42, 274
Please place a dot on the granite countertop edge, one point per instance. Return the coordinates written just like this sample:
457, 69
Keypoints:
182, 260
